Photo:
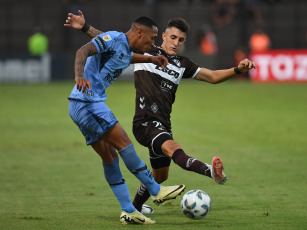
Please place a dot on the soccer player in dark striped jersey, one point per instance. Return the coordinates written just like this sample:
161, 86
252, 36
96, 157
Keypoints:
155, 94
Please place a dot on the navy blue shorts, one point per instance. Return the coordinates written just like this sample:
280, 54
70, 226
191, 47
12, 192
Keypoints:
92, 118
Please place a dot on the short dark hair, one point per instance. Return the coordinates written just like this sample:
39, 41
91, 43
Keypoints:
145, 21
180, 24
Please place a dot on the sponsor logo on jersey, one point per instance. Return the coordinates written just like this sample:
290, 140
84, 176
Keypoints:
88, 93
105, 57
168, 71
106, 38
117, 39
112, 76
166, 86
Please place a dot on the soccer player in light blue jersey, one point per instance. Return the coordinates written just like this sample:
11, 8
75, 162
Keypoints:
97, 65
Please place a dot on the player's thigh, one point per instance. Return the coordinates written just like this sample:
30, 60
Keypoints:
117, 137
93, 119
151, 134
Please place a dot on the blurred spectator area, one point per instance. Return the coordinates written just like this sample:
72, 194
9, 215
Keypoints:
285, 21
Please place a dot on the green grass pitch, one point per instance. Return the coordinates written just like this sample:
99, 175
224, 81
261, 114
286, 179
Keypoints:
49, 178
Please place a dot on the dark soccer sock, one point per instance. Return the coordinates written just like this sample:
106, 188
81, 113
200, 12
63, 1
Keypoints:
141, 197
189, 163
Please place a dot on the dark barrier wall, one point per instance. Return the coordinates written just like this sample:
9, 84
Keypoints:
285, 22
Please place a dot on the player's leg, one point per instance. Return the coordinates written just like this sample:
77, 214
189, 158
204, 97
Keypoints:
90, 119
145, 133
107, 153
160, 175
118, 138
173, 150
215, 171
163, 144
113, 174
118, 185
159, 140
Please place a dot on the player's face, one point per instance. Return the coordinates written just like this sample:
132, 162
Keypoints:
147, 39
173, 40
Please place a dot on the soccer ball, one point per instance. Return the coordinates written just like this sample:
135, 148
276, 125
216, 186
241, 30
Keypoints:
196, 204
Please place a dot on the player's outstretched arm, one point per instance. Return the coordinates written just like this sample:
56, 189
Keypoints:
157, 60
85, 51
78, 22
217, 76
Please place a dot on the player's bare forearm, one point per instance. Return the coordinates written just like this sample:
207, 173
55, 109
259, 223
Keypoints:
139, 58
82, 54
93, 32
157, 60
217, 76
223, 75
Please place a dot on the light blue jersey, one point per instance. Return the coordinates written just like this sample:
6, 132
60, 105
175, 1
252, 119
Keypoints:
94, 119
114, 56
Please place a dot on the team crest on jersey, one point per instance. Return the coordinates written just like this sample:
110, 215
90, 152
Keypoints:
154, 107
106, 38
177, 62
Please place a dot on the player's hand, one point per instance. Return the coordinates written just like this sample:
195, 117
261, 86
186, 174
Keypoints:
245, 65
160, 61
82, 83
75, 21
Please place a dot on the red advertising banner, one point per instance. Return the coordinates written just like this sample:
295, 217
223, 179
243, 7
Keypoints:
280, 66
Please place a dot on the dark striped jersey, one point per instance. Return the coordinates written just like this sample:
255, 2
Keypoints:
156, 87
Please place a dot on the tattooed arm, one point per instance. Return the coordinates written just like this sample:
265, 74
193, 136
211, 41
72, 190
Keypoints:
93, 32
85, 51
78, 21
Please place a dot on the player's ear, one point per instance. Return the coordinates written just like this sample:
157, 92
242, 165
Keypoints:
140, 33
163, 36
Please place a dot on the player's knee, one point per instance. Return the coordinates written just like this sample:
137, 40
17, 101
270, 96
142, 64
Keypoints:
117, 137
169, 147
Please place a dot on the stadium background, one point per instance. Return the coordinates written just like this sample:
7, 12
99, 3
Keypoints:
49, 178
284, 21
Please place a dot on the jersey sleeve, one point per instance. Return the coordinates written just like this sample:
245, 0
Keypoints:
191, 69
103, 42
